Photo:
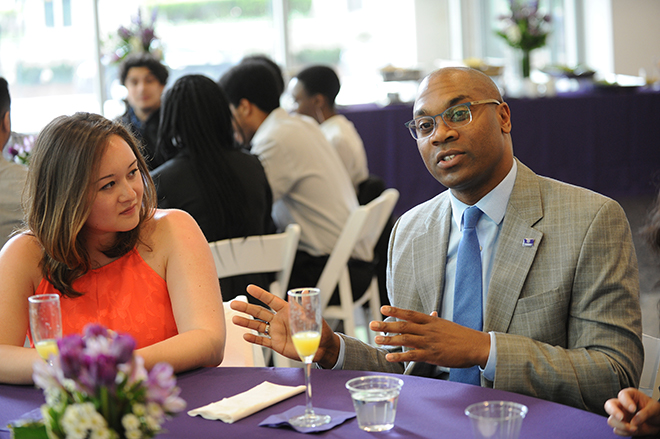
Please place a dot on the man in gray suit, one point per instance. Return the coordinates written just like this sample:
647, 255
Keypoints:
561, 319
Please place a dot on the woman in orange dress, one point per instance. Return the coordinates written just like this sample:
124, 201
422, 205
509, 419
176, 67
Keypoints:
95, 237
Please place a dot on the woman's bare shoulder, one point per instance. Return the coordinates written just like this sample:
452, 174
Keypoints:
22, 254
23, 245
170, 230
171, 221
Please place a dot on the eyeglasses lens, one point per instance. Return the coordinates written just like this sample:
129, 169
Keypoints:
454, 117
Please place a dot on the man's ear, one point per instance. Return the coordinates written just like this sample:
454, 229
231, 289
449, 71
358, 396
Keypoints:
504, 115
5, 123
244, 107
319, 100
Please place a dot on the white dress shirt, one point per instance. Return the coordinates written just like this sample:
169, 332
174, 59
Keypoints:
341, 134
309, 182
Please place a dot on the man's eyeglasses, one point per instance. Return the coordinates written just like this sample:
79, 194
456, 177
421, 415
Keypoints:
454, 117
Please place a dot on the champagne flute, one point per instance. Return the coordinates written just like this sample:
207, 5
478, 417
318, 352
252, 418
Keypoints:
305, 323
45, 324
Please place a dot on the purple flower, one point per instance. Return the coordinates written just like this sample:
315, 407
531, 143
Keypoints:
102, 370
71, 353
94, 330
122, 348
124, 33
147, 37
160, 383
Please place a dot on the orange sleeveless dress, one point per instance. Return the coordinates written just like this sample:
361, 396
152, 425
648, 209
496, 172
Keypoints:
126, 295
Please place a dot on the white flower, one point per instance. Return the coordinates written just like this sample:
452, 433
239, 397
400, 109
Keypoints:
130, 422
139, 409
153, 424
97, 422
101, 433
77, 420
513, 33
155, 410
133, 434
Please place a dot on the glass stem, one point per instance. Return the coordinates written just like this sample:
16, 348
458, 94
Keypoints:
308, 393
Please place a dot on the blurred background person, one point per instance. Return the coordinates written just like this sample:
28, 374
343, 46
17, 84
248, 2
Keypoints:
209, 176
309, 182
12, 175
144, 78
314, 90
633, 413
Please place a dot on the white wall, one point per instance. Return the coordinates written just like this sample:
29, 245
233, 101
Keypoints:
622, 36
636, 36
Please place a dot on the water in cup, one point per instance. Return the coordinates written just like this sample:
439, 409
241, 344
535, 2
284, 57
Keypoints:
496, 419
375, 399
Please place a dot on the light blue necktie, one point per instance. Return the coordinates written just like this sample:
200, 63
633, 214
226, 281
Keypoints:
467, 291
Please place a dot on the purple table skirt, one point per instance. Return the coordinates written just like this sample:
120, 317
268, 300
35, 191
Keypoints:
427, 408
607, 142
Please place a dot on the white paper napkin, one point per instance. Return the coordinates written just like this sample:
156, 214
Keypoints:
244, 404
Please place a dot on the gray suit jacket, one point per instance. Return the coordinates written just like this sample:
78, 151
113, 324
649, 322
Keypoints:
565, 311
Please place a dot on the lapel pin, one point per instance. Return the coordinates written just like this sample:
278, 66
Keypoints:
528, 242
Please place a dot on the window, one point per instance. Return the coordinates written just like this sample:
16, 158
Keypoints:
50, 57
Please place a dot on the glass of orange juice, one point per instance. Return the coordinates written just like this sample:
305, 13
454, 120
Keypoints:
305, 323
45, 324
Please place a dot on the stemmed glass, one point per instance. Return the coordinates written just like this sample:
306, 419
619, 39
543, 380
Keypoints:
305, 323
45, 324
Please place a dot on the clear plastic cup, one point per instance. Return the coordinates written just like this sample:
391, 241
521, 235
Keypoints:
496, 419
375, 399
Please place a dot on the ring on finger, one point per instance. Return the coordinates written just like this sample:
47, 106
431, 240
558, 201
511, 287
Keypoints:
267, 329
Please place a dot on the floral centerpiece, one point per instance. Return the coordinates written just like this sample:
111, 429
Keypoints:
98, 388
525, 29
140, 36
20, 148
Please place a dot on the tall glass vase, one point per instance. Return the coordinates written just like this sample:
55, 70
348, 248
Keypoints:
525, 66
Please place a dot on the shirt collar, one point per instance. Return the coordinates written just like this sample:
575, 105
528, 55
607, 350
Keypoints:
493, 204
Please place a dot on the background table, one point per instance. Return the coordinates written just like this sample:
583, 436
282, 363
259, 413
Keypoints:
608, 142
426, 407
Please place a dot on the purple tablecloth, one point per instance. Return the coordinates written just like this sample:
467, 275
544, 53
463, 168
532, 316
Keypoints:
608, 142
427, 408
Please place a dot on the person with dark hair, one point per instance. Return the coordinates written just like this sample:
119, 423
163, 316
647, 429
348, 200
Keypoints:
12, 175
632, 412
275, 68
144, 78
314, 90
507, 280
310, 184
95, 237
209, 176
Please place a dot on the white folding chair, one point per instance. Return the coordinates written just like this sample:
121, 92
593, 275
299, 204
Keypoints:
259, 254
238, 352
650, 380
364, 225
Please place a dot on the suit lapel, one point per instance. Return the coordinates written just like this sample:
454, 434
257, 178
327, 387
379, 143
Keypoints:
431, 247
517, 246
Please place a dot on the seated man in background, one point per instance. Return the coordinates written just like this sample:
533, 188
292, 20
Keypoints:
144, 78
550, 304
12, 175
314, 90
309, 183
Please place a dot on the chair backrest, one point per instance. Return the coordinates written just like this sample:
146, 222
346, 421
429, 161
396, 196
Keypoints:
364, 225
259, 254
238, 352
650, 380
